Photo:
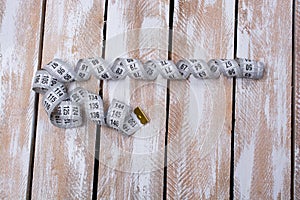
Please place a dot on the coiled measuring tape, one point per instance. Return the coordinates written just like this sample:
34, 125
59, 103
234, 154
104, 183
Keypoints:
121, 117
150, 70
66, 109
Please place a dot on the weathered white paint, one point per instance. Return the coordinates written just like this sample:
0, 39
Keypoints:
134, 165
19, 52
263, 113
246, 164
8, 46
64, 159
199, 122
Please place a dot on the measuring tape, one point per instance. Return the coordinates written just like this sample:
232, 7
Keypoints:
150, 70
66, 109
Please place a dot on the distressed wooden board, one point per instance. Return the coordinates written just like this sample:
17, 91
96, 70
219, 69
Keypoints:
132, 167
297, 100
64, 159
262, 142
199, 135
19, 52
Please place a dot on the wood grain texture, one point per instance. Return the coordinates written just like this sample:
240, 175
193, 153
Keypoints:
19, 52
262, 142
297, 100
132, 167
199, 134
64, 159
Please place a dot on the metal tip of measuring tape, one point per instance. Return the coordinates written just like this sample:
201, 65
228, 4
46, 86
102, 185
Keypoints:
141, 115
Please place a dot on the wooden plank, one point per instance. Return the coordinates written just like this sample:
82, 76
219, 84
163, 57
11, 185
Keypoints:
199, 135
64, 159
19, 52
297, 100
262, 142
132, 167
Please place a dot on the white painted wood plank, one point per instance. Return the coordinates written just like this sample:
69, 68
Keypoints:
200, 110
132, 167
262, 149
64, 159
19, 50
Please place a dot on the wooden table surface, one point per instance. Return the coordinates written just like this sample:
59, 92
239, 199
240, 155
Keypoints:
214, 139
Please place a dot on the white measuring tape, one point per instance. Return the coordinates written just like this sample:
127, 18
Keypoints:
66, 109
122, 67
121, 117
